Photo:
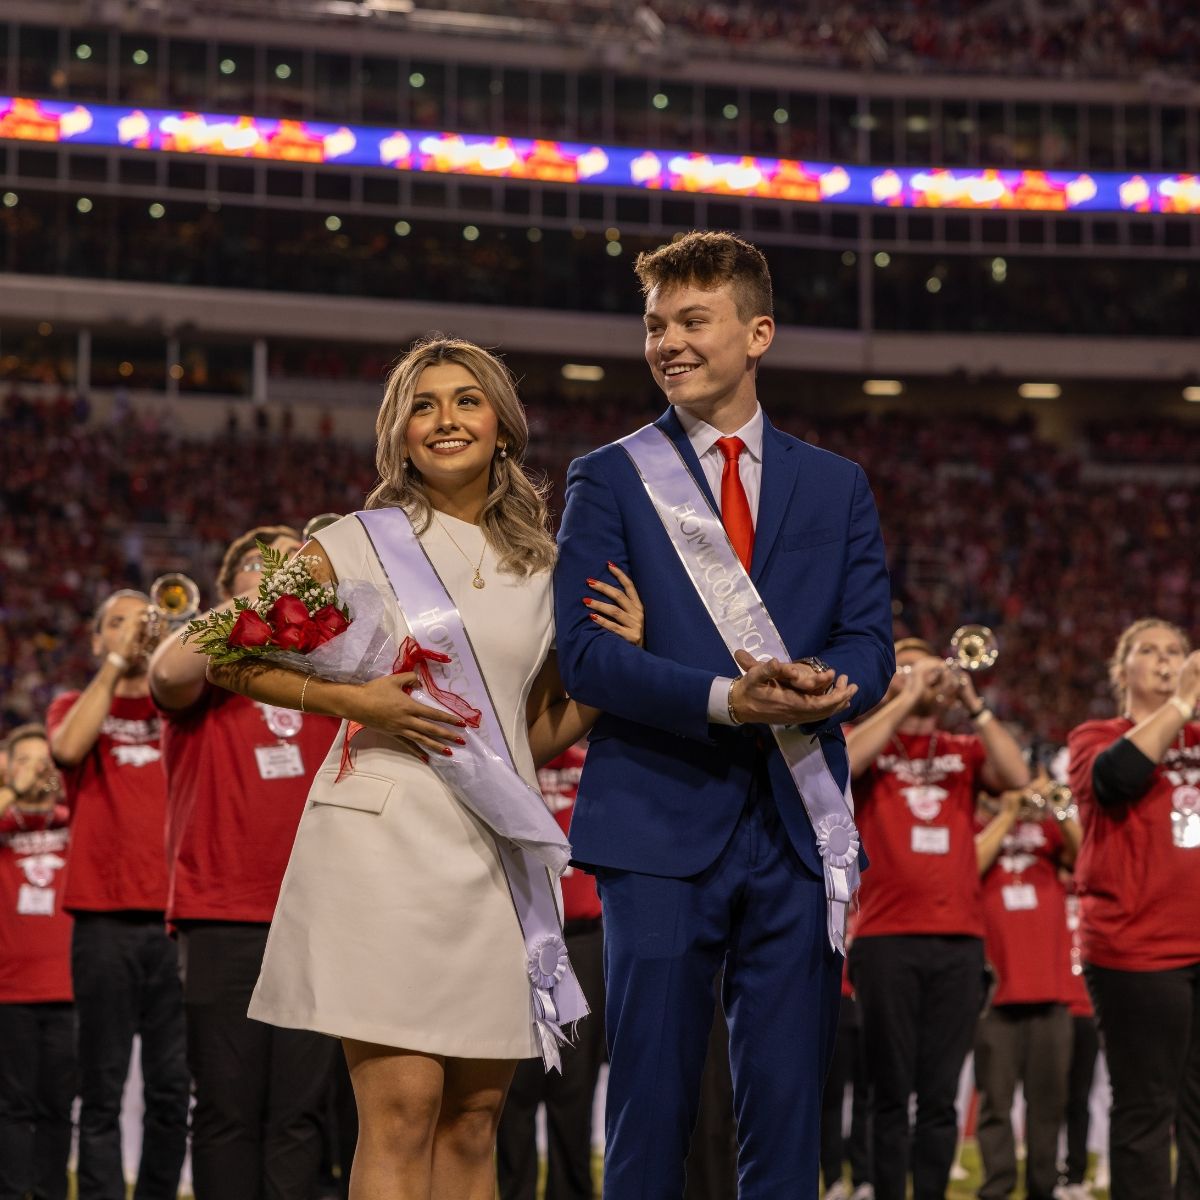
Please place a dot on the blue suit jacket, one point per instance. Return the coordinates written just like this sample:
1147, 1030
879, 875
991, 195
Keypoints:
662, 788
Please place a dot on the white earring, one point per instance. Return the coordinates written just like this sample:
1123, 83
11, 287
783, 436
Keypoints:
503, 452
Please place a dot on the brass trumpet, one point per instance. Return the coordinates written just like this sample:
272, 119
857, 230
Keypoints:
174, 599
972, 648
1054, 800
314, 525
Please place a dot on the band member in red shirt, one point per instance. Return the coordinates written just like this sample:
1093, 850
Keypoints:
37, 1017
1025, 1035
568, 1097
1136, 778
238, 774
124, 966
917, 960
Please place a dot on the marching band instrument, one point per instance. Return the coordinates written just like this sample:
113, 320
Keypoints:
972, 648
314, 525
175, 597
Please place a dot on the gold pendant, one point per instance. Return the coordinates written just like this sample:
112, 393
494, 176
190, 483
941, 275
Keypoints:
478, 581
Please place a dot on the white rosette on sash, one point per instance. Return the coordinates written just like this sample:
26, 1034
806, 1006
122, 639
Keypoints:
737, 610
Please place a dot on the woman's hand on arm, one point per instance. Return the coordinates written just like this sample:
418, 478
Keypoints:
555, 720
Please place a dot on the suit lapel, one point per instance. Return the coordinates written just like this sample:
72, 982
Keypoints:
669, 424
780, 465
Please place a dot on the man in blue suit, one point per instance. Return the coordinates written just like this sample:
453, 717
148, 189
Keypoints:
687, 812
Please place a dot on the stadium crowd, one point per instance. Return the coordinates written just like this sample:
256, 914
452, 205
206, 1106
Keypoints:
1058, 559
1082, 40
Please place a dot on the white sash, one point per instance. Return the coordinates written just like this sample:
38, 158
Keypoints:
435, 622
732, 601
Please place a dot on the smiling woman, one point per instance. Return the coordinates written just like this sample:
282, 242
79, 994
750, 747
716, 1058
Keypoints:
408, 925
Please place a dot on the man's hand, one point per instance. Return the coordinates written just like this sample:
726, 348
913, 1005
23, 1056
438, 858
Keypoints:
779, 693
970, 699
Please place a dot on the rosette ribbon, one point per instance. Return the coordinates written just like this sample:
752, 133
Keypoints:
838, 845
548, 963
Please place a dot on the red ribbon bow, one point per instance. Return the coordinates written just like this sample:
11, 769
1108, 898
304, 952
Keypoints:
414, 657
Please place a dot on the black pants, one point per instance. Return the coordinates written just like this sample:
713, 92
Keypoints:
919, 998
1085, 1047
848, 1067
568, 1097
1150, 1021
1030, 1044
126, 974
260, 1091
37, 1089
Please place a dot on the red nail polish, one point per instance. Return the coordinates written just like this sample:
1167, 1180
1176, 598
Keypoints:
447, 751
611, 566
591, 583
587, 599
594, 616
461, 741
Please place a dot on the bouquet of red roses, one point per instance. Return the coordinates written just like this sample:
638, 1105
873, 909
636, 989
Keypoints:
293, 614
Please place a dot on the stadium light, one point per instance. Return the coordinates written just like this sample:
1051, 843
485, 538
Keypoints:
1192, 394
1039, 391
882, 387
582, 372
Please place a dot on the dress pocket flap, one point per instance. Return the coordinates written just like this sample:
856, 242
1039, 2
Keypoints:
367, 793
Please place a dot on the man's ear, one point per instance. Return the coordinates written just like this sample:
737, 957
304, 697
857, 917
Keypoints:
762, 334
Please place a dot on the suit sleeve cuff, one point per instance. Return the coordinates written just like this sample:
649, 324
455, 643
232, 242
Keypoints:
718, 700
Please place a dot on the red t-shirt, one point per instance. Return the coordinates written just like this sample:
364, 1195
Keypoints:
118, 800
916, 815
559, 781
1139, 867
35, 932
1025, 916
238, 774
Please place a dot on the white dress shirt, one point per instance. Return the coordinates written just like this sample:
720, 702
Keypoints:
704, 441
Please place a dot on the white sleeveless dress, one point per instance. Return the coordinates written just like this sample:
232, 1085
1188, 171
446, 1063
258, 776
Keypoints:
394, 923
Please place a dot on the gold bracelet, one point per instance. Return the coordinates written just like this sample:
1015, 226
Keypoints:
1185, 710
303, 689
733, 717
982, 718
117, 660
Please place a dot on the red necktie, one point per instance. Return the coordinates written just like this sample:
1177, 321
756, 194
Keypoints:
735, 508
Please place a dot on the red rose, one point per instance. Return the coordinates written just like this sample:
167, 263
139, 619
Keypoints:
330, 622
249, 630
301, 638
287, 611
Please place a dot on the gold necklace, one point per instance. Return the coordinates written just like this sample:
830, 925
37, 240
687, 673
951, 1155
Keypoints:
478, 581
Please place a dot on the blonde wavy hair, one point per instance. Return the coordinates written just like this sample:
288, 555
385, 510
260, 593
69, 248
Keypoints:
1116, 664
515, 521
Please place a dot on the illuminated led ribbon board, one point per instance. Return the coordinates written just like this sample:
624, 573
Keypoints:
542, 161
